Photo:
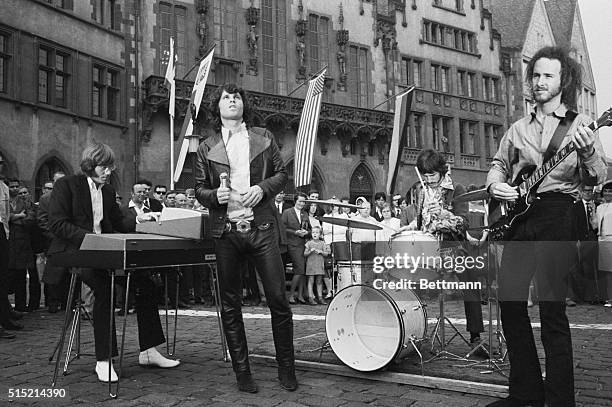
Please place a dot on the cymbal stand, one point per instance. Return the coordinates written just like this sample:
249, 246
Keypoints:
492, 365
439, 332
438, 335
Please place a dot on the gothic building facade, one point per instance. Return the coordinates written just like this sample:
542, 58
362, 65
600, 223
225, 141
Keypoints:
76, 71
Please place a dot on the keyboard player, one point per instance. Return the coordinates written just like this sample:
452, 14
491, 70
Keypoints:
85, 203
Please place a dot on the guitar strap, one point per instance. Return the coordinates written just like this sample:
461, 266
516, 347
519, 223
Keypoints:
559, 134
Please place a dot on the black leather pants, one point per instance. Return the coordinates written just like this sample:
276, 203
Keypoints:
261, 246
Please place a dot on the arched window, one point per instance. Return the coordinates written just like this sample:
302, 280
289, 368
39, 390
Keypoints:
361, 184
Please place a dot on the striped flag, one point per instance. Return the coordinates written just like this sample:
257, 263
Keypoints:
400, 135
170, 84
307, 132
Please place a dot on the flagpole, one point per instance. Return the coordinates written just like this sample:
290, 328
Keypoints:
393, 96
171, 152
199, 60
306, 81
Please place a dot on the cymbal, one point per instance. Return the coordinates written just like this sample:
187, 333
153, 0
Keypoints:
334, 202
476, 195
350, 223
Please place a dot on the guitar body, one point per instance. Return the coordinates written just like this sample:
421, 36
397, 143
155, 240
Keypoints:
505, 214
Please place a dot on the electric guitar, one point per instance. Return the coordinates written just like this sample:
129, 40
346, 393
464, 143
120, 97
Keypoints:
527, 182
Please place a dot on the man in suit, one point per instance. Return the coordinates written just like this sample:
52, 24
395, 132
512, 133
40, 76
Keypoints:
279, 202
56, 292
380, 199
152, 204
245, 225
85, 203
297, 227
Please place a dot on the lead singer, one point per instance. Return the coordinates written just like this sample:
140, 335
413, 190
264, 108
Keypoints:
245, 225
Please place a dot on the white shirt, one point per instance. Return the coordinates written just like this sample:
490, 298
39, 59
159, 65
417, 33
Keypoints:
334, 233
299, 215
279, 206
238, 154
97, 208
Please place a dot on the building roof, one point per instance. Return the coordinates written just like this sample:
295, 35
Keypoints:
511, 18
561, 17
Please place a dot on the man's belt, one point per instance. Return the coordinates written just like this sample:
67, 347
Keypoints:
245, 226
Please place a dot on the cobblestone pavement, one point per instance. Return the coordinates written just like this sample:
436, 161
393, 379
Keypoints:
203, 379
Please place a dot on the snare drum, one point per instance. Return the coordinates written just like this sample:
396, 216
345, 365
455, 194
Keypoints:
422, 248
362, 273
369, 328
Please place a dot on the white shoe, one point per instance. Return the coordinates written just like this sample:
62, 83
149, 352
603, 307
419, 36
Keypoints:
102, 368
151, 357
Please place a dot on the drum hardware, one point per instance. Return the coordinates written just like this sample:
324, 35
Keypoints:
438, 335
493, 365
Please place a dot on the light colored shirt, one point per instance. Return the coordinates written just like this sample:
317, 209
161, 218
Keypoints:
5, 207
334, 233
97, 208
525, 143
365, 235
279, 206
238, 154
299, 215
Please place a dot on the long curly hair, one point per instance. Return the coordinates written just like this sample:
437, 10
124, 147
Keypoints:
215, 97
571, 73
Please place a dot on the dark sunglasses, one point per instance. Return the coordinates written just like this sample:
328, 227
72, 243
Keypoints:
160, 192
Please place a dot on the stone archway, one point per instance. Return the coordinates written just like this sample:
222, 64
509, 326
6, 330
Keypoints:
361, 183
45, 173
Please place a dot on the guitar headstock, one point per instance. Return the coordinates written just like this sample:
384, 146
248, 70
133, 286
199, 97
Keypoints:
605, 119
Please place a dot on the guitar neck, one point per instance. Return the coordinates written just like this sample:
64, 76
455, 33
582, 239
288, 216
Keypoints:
550, 165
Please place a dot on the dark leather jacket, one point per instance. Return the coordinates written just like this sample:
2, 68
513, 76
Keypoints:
266, 170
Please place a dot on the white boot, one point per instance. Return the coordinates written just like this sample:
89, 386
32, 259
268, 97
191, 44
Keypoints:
102, 368
151, 357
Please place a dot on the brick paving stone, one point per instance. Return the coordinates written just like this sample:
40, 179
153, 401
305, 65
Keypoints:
204, 379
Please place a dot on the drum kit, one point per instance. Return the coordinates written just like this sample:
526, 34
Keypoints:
369, 328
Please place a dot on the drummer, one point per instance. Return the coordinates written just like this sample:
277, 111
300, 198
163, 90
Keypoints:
437, 214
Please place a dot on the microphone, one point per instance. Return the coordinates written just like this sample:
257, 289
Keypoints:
223, 180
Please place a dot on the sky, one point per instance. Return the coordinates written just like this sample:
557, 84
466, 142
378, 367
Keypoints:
597, 24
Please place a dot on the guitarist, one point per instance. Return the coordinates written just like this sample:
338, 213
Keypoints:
554, 80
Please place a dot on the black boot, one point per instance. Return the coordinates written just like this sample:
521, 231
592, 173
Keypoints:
246, 382
286, 376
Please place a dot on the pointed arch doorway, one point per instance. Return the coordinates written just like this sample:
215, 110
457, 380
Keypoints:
361, 183
45, 173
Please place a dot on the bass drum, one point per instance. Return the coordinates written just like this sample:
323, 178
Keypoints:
369, 328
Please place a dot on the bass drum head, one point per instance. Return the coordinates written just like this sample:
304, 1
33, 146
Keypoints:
363, 328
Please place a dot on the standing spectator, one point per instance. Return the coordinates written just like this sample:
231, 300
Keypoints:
315, 251
5, 213
604, 223
380, 199
390, 224
21, 261
159, 193
395, 206
170, 200
57, 293
297, 227
314, 194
